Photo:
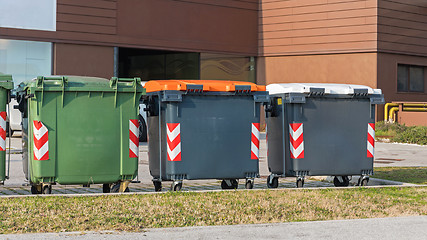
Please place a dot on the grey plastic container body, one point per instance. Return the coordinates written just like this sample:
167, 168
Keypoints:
335, 134
215, 134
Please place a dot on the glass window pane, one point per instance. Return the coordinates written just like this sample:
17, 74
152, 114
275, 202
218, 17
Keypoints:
25, 60
402, 78
416, 81
28, 14
155, 65
182, 66
227, 67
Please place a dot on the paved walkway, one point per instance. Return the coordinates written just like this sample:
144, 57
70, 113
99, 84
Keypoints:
355, 229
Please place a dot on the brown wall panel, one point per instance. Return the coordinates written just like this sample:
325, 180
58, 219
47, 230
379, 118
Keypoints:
202, 27
317, 26
358, 68
72, 18
84, 60
85, 28
104, 4
412, 118
323, 31
402, 27
222, 26
243, 4
87, 11
342, 47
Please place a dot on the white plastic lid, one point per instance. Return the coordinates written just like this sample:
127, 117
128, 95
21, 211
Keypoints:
330, 88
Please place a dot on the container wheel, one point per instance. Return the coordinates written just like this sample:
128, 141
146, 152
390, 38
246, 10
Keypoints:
34, 190
364, 182
249, 184
224, 185
157, 186
300, 182
274, 182
116, 188
234, 183
176, 186
47, 189
344, 183
106, 188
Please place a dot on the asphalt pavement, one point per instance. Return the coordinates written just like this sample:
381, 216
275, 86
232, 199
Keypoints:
355, 229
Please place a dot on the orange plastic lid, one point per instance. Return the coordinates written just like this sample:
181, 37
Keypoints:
208, 85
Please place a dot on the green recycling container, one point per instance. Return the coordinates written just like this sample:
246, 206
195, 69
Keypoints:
6, 84
80, 130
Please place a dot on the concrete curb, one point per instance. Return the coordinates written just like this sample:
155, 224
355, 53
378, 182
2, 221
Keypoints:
203, 191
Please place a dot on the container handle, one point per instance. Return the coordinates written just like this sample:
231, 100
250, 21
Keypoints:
41, 80
115, 80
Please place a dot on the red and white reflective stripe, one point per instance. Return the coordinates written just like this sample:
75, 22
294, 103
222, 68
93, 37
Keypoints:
3, 131
41, 143
371, 139
255, 141
173, 131
296, 140
133, 138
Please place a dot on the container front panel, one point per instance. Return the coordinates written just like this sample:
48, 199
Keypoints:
3, 102
88, 137
214, 136
334, 136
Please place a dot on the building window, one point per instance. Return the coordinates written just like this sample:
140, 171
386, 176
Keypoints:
156, 64
28, 14
227, 67
410, 78
25, 60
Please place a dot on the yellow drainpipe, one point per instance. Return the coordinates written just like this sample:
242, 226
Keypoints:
392, 114
386, 111
388, 114
415, 109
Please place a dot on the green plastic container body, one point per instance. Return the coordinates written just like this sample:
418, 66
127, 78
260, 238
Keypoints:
88, 123
6, 84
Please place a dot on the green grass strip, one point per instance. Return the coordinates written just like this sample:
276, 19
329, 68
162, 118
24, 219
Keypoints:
417, 175
179, 209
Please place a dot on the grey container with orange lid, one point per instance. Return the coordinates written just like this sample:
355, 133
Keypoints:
203, 129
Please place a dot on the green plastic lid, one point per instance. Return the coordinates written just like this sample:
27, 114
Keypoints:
6, 81
82, 83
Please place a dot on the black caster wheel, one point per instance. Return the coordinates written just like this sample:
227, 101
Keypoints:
274, 182
300, 183
341, 183
157, 186
176, 186
224, 185
116, 188
234, 183
364, 182
249, 184
47, 189
34, 190
106, 188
